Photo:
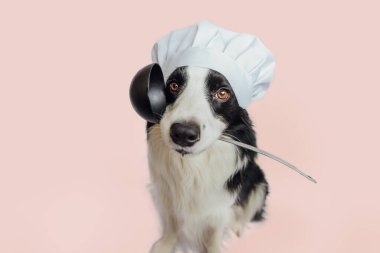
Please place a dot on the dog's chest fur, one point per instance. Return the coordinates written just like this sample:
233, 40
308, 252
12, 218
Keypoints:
191, 187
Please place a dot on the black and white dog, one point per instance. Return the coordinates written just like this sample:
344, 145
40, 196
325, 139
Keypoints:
203, 187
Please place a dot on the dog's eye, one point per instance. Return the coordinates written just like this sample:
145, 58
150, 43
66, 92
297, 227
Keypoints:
223, 94
174, 88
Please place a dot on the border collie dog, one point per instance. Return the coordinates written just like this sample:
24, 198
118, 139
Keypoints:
203, 187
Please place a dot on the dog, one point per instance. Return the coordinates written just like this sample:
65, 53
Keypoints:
203, 187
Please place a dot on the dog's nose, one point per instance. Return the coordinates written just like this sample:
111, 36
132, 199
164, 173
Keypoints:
185, 134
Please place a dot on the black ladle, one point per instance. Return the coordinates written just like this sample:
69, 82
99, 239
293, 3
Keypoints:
147, 93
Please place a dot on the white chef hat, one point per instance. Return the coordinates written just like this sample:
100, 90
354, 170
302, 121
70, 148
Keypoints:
242, 58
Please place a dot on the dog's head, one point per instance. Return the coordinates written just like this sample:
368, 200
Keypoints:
201, 106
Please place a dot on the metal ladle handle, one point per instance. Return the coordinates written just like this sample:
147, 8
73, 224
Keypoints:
267, 154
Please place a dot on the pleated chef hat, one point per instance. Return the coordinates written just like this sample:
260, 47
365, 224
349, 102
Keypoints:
242, 58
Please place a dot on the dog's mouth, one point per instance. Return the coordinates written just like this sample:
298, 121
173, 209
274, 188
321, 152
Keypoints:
188, 151
182, 151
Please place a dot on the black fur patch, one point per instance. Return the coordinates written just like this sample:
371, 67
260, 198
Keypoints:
245, 180
179, 76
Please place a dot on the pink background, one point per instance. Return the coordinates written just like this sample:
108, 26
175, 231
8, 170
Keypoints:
73, 170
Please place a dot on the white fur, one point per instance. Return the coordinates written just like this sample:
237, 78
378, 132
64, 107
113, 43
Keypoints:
189, 191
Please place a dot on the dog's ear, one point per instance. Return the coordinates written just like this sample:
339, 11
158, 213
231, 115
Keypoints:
147, 93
